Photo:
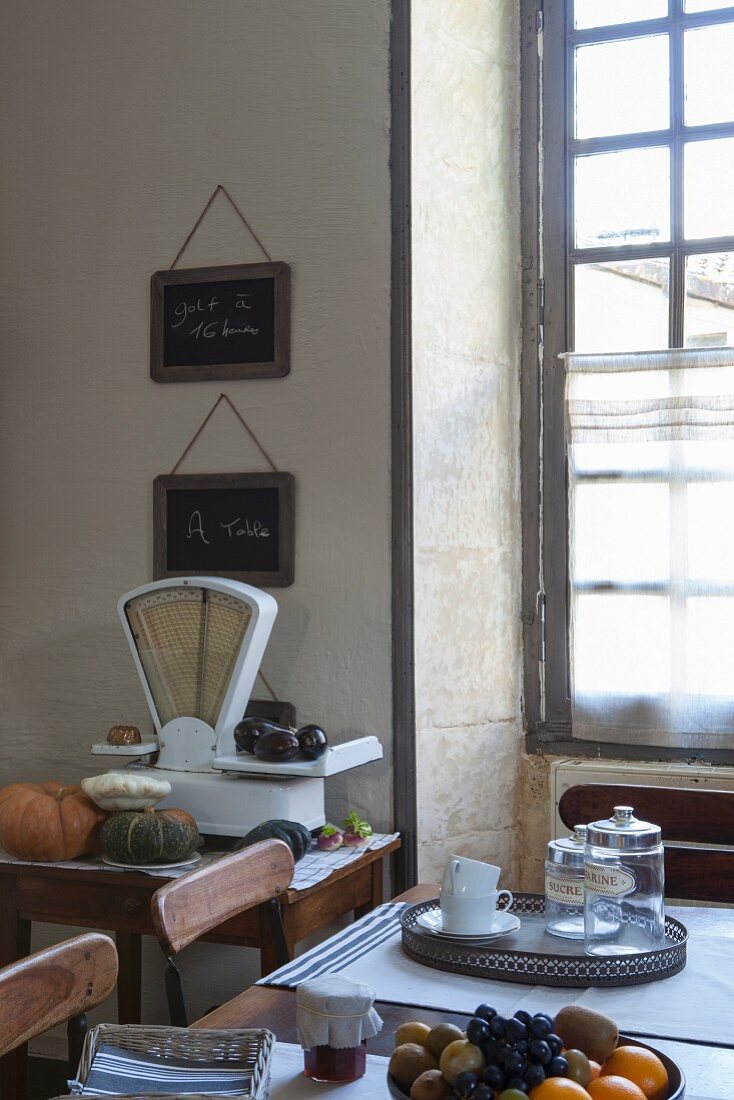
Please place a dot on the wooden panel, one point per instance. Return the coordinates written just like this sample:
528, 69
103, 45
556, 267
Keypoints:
700, 816
684, 815
53, 985
183, 910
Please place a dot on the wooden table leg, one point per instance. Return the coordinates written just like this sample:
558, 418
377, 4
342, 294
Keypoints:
376, 894
269, 960
15, 943
128, 980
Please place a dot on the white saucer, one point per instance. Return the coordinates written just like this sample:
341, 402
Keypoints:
153, 866
504, 923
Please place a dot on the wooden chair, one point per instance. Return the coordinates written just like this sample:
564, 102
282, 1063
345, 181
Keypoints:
56, 985
189, 907
686, 818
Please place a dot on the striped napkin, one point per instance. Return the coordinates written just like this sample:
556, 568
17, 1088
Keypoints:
346, 947
121, 1072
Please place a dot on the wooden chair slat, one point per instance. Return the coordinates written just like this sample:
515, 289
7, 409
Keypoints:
188, 907
702, 816
53, 985
685, 817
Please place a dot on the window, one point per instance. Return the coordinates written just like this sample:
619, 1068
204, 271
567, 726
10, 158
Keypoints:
635, 253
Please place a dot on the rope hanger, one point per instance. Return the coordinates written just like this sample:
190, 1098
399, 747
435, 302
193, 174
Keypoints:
202, 215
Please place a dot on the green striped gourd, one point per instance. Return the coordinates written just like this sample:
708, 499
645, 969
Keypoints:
150, 836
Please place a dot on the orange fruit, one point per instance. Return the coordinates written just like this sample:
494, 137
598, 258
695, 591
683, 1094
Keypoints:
558, 1088
613, 1087
595, 1069
641, 1066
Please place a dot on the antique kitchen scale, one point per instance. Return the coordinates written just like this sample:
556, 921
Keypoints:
197, 644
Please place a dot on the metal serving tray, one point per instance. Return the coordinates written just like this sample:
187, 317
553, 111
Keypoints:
531, 956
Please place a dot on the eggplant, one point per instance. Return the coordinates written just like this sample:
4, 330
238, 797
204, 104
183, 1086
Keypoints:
312, 741
276, 746
249, 730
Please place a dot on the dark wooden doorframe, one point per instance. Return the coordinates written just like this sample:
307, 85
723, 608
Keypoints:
405, 808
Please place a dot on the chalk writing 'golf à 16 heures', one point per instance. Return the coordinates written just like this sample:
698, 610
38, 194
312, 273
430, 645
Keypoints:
237, 528
208, 329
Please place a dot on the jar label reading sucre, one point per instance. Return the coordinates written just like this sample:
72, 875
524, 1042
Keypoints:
611, 882
564, 889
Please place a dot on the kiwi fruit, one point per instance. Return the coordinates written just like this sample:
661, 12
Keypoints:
583, 1029
431, 1085
408, 1062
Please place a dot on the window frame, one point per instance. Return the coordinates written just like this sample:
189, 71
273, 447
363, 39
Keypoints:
547, 154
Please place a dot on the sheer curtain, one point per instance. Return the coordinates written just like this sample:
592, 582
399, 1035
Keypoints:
651, 527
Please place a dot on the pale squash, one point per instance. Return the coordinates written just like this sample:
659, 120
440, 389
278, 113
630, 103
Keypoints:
48, 822
126, 790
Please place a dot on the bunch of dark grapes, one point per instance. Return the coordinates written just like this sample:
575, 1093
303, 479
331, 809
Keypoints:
519, 1053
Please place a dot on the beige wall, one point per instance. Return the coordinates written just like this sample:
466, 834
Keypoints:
466, 258
118, 122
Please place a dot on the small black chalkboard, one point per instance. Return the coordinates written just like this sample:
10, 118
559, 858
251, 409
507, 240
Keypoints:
210, 323
228, 525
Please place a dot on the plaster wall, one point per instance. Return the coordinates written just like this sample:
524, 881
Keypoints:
118, 122
466, 333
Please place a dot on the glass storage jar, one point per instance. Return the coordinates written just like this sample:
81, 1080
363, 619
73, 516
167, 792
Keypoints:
624, 880
564, 886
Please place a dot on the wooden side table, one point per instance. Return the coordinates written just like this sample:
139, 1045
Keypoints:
120, 902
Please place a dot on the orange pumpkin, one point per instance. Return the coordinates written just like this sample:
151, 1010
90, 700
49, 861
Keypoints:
48, 821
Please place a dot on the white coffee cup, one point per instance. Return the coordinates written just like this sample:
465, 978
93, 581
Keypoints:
472, 915
469, 877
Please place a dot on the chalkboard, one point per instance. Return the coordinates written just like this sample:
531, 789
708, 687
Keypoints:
227, 525
210, 323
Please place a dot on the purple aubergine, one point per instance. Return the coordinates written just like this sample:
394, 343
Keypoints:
277, 746
247, 732
312, 740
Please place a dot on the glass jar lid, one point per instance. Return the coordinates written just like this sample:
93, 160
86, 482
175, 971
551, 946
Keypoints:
624, 831
568, 851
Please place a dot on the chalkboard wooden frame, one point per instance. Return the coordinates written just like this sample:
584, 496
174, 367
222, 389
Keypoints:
166, 484
280, 364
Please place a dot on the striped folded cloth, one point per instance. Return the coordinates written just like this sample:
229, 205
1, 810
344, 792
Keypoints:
116, 1072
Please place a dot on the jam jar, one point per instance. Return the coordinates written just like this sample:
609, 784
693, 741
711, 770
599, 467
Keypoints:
335, 1017
564, 885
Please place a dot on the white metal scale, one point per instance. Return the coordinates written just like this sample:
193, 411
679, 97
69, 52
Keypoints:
197, 644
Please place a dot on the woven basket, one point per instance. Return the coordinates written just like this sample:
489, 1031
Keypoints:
250, 1049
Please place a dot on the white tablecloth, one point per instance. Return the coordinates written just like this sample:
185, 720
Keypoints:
697, 1004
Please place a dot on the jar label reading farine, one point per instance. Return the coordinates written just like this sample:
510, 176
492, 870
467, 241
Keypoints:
610, 882
564, 889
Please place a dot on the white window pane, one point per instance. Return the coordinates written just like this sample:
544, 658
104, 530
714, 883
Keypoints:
619, 457
705, 5
711, 535
710, 646
709, 89
707, 188
709, 304
705, 454
622, 197
621, 644
621, 305
601, 13
621, 532
637, 70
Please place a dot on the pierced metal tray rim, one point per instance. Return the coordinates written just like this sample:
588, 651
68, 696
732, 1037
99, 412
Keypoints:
497, 962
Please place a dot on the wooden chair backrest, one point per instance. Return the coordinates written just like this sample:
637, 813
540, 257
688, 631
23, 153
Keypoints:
192, 905
686, 817
53, 985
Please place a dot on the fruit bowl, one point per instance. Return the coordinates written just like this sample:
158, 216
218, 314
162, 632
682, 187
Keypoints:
675, 1073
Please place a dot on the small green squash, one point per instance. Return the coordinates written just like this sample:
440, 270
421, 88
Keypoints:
150, 836
296, 836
